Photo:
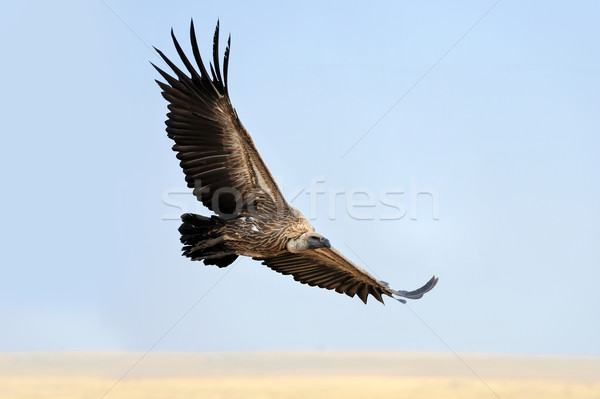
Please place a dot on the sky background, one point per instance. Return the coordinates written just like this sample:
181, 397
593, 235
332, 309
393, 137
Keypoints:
503, 131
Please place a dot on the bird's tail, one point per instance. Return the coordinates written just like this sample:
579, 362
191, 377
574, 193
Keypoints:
203, 240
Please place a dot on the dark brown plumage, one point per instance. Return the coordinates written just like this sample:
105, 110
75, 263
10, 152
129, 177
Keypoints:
226, 172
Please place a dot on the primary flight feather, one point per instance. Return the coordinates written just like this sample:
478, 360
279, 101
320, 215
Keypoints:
227, 174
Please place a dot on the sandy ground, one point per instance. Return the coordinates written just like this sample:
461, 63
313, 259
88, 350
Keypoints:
295, 375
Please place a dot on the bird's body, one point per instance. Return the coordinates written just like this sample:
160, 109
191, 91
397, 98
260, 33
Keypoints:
240, 235
252, 218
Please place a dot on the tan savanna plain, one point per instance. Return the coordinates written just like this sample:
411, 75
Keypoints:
302, 375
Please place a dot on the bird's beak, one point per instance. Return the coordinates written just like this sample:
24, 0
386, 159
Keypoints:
325, 242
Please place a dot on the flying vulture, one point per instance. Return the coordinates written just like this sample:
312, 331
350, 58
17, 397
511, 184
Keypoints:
227, 174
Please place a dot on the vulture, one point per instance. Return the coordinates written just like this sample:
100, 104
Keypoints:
227, 174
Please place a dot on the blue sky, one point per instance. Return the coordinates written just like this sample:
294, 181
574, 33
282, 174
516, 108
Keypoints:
503, 131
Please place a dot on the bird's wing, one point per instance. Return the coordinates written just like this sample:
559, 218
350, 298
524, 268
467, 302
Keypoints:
217, 154
328, 268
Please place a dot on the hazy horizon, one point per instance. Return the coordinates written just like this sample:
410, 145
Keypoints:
297, 375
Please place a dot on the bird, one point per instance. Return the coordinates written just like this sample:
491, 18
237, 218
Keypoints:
250, 216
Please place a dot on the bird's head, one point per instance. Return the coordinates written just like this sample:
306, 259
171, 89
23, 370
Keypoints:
308, 240
316, 240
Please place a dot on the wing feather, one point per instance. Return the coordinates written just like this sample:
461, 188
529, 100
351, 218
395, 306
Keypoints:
328, 268
216, 56
215, 151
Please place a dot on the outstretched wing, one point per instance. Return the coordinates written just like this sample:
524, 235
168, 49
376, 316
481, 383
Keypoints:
217, 154
328, 268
